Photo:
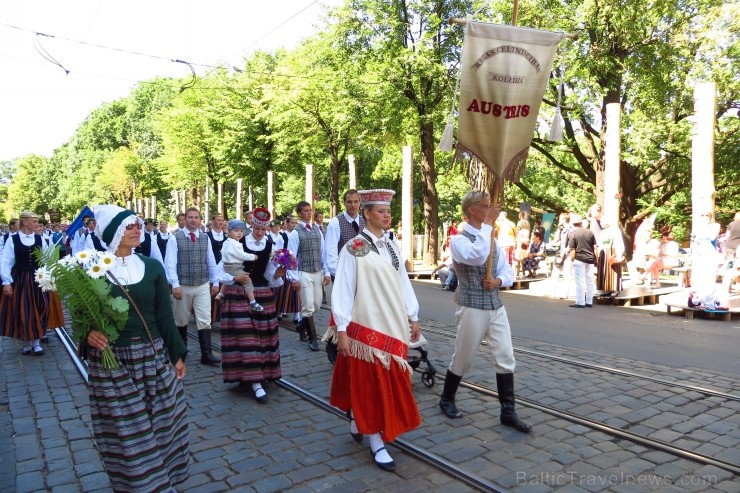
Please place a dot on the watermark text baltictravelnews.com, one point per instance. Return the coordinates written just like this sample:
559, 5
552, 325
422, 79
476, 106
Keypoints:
622, 478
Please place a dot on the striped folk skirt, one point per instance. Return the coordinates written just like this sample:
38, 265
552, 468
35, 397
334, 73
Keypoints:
23, 315
287, 298
250, 342
139, 418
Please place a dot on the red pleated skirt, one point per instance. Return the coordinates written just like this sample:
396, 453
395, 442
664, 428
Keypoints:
380, 398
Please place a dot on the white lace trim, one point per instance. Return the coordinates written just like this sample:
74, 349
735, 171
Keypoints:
113, 245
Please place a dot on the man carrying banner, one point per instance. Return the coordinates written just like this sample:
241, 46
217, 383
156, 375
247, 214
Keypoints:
481, 314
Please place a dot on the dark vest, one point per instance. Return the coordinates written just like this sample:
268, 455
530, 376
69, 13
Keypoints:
145, 248
217, 245
256, 268
470, 290
346, 231
24, 259
285, 239
162, 244
96, 242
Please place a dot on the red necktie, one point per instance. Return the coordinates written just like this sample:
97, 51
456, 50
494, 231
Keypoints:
192, 237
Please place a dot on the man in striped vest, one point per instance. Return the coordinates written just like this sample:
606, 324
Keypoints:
343, 228
481, 314
313, 272
191, 271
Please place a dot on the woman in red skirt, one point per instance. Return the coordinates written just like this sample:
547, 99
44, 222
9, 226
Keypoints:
372, 304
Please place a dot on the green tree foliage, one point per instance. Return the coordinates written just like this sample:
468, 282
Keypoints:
648, 59
380, 76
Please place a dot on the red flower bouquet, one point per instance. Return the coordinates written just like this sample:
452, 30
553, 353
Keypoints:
284, 258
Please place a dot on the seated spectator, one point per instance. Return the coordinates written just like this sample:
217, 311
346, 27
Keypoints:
535, 255
667, 258
445, 271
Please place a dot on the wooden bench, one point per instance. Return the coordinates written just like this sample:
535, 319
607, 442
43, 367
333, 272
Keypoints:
725, 315
640, 295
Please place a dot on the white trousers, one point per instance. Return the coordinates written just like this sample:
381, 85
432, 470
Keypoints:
197, 298
311, 292
585, 284
475, 325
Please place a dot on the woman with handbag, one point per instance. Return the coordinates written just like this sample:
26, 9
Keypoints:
138, 410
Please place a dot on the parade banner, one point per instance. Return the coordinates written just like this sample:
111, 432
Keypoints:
548, 218
77, 223
504, 74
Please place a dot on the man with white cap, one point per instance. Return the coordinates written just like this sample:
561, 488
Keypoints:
582, 245
191, 271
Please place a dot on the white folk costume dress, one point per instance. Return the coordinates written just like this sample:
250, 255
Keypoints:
705, 260
373, 301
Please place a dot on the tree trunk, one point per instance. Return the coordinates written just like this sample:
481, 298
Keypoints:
334, 193
429, 191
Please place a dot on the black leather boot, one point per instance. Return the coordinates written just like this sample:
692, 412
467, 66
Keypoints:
301, 328
183, 333
505, 384
447, 400
308, 322
206, 354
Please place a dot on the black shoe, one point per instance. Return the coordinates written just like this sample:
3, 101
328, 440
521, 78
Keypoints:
589, 305
576, 305
27, 349
511, 419
357, 437
386, 466
310, 328
449, 408
262, 399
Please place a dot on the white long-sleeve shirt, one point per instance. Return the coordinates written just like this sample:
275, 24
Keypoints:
277, 239
170, 261
233, 252
476, 252
293, 241
345, 284
78, 240
8, 258
333, 232
255, 246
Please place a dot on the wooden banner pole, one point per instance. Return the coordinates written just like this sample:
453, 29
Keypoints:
462, 22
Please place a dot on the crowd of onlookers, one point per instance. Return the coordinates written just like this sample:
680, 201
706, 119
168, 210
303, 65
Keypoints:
655, 251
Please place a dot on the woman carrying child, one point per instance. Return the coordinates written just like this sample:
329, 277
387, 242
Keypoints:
250, 344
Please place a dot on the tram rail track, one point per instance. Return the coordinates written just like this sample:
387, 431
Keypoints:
597, 426
452, 469
440, 463
608, 369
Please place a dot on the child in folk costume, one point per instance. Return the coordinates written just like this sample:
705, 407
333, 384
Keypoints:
233, 257
372, 379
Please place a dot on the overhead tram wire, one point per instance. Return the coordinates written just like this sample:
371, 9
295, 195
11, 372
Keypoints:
173, 60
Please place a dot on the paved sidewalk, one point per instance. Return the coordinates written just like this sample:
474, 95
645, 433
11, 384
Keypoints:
288, 444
